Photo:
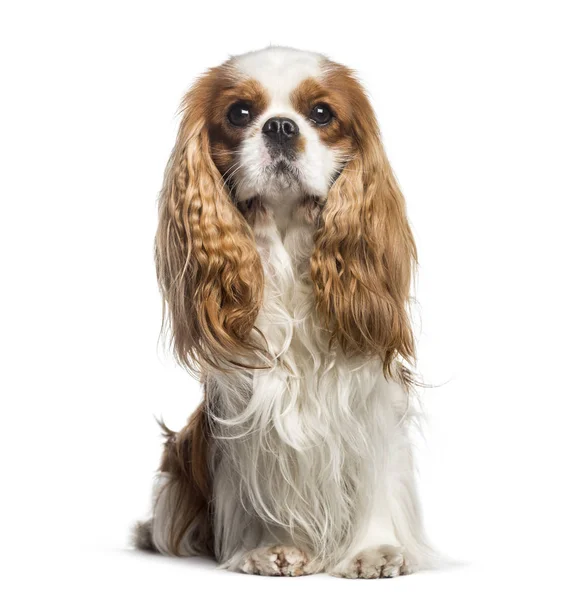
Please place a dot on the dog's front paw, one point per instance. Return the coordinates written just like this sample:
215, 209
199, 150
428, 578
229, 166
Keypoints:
374, 563
277, 561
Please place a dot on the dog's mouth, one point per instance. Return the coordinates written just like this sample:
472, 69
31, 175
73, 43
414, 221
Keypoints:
282, 175
283, 169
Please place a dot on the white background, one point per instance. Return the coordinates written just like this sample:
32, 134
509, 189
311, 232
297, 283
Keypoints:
470, 100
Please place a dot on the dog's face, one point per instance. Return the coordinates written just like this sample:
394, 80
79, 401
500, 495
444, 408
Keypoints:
280, 123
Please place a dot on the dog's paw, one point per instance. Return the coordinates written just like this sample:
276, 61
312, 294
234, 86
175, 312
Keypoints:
277, 561
374, 563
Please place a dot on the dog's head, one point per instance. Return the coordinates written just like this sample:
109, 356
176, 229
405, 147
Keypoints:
269, 127
282, 124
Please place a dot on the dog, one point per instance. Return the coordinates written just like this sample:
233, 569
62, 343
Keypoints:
285, 257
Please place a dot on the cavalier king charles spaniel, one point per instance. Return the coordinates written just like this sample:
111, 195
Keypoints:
284, 257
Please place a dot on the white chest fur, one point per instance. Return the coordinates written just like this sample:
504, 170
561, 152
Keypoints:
300, 437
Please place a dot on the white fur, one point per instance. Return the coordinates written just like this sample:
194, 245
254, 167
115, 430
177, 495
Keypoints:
315, 451
280, 70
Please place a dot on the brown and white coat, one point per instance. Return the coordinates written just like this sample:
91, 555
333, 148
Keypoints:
284, 257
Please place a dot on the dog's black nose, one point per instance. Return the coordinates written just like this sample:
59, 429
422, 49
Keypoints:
280, 129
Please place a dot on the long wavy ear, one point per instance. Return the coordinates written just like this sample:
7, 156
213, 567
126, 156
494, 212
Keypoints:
208, 268
364, 250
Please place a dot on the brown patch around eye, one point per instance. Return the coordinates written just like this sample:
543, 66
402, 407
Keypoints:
225, 139
311, 92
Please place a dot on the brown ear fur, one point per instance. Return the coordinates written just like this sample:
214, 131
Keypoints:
208, 268
364, 251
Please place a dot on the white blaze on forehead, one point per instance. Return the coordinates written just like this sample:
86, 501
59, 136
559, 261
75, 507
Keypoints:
280, 70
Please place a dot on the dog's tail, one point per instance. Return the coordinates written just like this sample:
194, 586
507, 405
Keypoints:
142, 536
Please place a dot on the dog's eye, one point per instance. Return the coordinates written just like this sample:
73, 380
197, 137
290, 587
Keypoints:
321, 114
240, 114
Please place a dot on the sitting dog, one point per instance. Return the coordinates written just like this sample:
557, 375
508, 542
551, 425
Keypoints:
284, 257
